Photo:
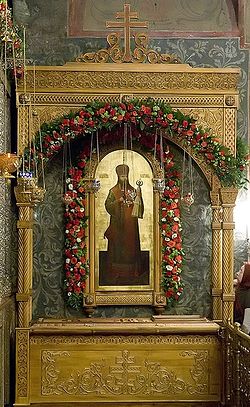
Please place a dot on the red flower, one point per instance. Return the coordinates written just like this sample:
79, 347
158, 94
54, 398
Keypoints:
171, 243
113, 112
169, 293
210, 156
178, 258
65, 122
77, 289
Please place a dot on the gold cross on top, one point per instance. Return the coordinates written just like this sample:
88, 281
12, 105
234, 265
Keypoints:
127, 24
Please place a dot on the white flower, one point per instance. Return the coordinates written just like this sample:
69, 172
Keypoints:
176, 219
70, 186
66, 231
69, 293
78, 240
163, 233
82, 210
174, 235
163, 219
167, 239
67, 261
68, 180
168, 267
79, 284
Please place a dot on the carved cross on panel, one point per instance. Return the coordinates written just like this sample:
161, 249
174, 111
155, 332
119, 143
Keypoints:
127, 24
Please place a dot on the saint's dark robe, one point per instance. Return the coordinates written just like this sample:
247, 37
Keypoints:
124, 253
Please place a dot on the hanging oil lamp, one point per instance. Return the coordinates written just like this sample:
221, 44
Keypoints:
188, 197
93, 185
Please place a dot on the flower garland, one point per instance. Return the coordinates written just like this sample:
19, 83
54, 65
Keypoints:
144, 117
148, 116
76, 265
172, 252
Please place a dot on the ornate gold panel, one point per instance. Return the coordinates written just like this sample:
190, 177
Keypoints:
123, 374
208, 94
145, 368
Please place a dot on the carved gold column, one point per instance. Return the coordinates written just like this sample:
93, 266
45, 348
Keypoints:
228, 198
230, 122
25, 256
159, 297
216, 257
28, 194
89, 300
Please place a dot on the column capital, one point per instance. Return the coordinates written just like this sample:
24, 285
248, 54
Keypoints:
228, 196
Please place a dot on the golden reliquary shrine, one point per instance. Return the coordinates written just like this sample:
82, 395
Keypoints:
106, 137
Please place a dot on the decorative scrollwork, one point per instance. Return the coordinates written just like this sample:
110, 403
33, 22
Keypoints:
141, 53
199, 371
22, 362
124, 377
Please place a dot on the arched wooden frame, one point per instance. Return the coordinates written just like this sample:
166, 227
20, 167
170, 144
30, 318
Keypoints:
194, 90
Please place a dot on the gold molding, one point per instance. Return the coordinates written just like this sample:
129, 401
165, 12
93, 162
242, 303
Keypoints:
124, 298
114, 339
121, 78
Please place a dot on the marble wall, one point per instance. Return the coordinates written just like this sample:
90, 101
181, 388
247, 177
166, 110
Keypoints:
7, 338
8, 261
